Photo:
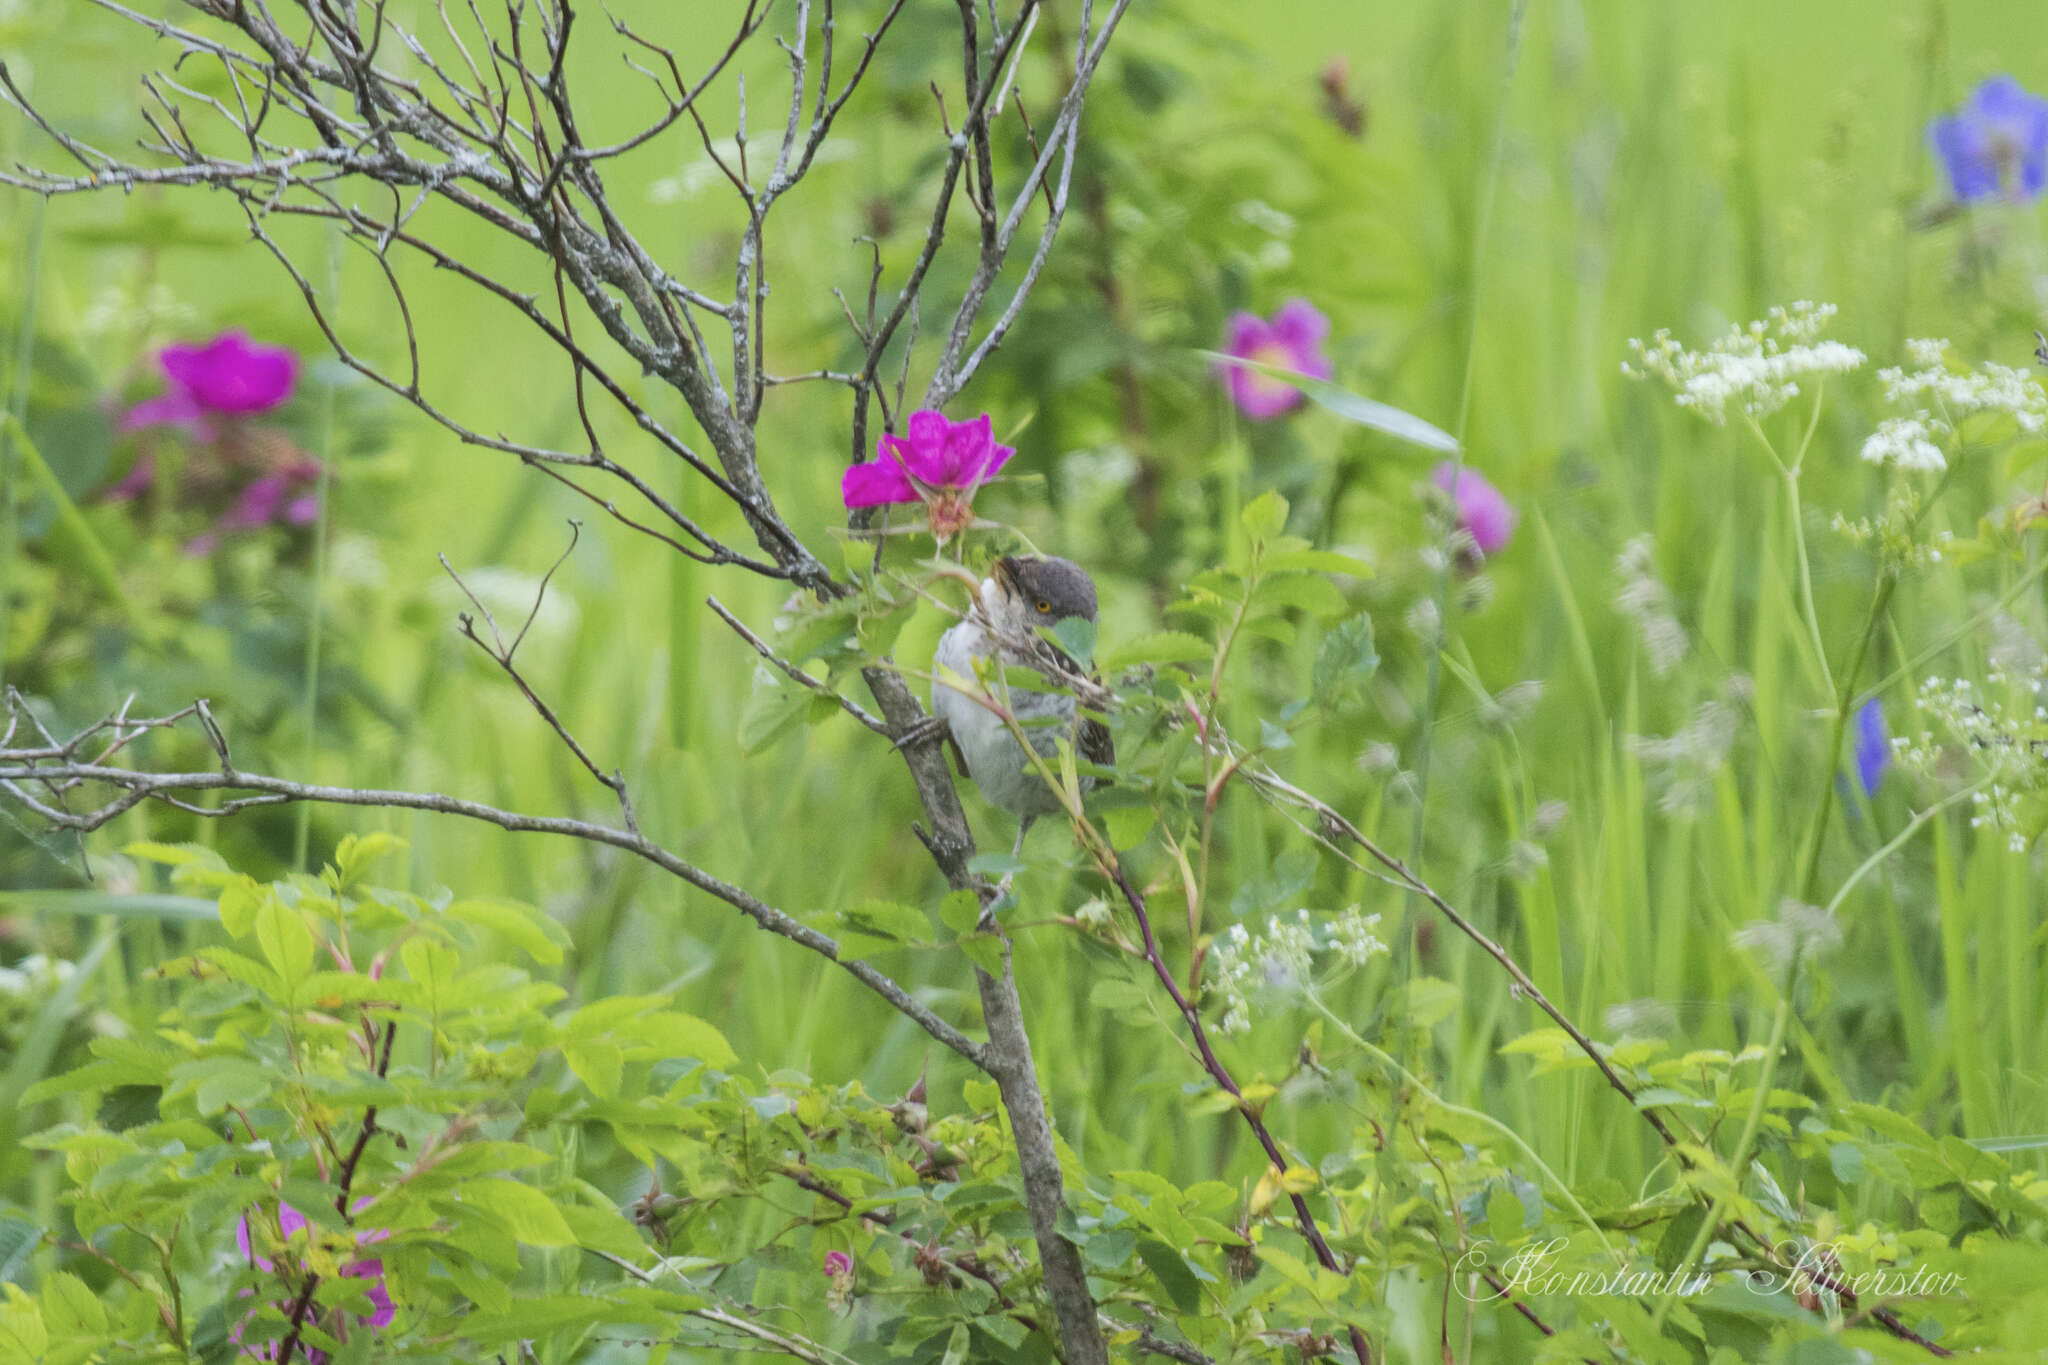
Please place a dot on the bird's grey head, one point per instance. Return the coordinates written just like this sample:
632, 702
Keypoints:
1042, 589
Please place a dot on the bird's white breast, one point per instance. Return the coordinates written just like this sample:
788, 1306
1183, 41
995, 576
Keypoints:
994, 760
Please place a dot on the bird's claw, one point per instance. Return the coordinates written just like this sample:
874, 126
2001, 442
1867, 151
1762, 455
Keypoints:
931, 727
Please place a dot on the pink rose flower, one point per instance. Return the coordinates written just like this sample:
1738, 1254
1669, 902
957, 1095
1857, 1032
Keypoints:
230, 376
1482, 512
1293, 340
290, 1222
937, 462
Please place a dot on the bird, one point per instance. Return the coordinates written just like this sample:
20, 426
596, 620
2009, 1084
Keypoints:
1021, 593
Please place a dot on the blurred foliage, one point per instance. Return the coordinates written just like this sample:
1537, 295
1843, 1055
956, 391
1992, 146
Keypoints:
1487, 201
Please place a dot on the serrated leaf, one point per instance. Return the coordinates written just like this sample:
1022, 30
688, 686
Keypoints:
960, 911
18, 1240
1346, 656
685, 1035
1171, 1270
603, 1230
240, 899
287, 943
1309, 592
1076, 635
70, 1308
535, 934
1127, 825
1316, 561
1264, 517
772, 710
597, 1063
984, 951
901, 924
1164, 647
996, 864
530, 1216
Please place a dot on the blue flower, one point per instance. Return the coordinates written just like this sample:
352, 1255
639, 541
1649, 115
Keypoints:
1995, 144
1873, 751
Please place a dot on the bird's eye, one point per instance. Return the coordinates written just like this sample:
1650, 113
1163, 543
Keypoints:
1044, 607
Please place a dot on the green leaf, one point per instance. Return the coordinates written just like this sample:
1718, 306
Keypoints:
1353, 407
1127, 825
356, 852
18, 1240
960, 911
597, 1063
1076, 635
984, 951
685, 1035
1273, 737
1172, 1272
1503, 1216
431, 965
956, 1346
240, 899
772, 710
603, 1230
1310, 592
1264, 517
86, 904
529, 1215
996, 864
70, 1308
287, 943
1316, 561
539, 936
1110, 1249
1346, 657
1164, 647
222, 1081
901, 925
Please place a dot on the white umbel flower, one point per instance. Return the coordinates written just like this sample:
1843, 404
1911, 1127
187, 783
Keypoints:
1906, 443
1756, 369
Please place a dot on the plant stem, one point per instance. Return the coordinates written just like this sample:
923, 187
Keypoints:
1816, 837
17, 407
1711, 1224
309, 699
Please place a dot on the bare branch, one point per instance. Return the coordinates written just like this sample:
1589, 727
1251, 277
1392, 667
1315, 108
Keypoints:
55, 768
796, 675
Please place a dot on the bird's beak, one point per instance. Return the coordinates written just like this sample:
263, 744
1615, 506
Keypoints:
1003, 571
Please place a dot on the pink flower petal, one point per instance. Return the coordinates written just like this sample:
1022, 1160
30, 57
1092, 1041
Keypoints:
1262, 395
258, 505
921, 450
880, 480
232, 374
1292, 341
290, 1220
965, 451
379, 1296
1483, 511
302, 511
1300, 326
173, 409
1246, 332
